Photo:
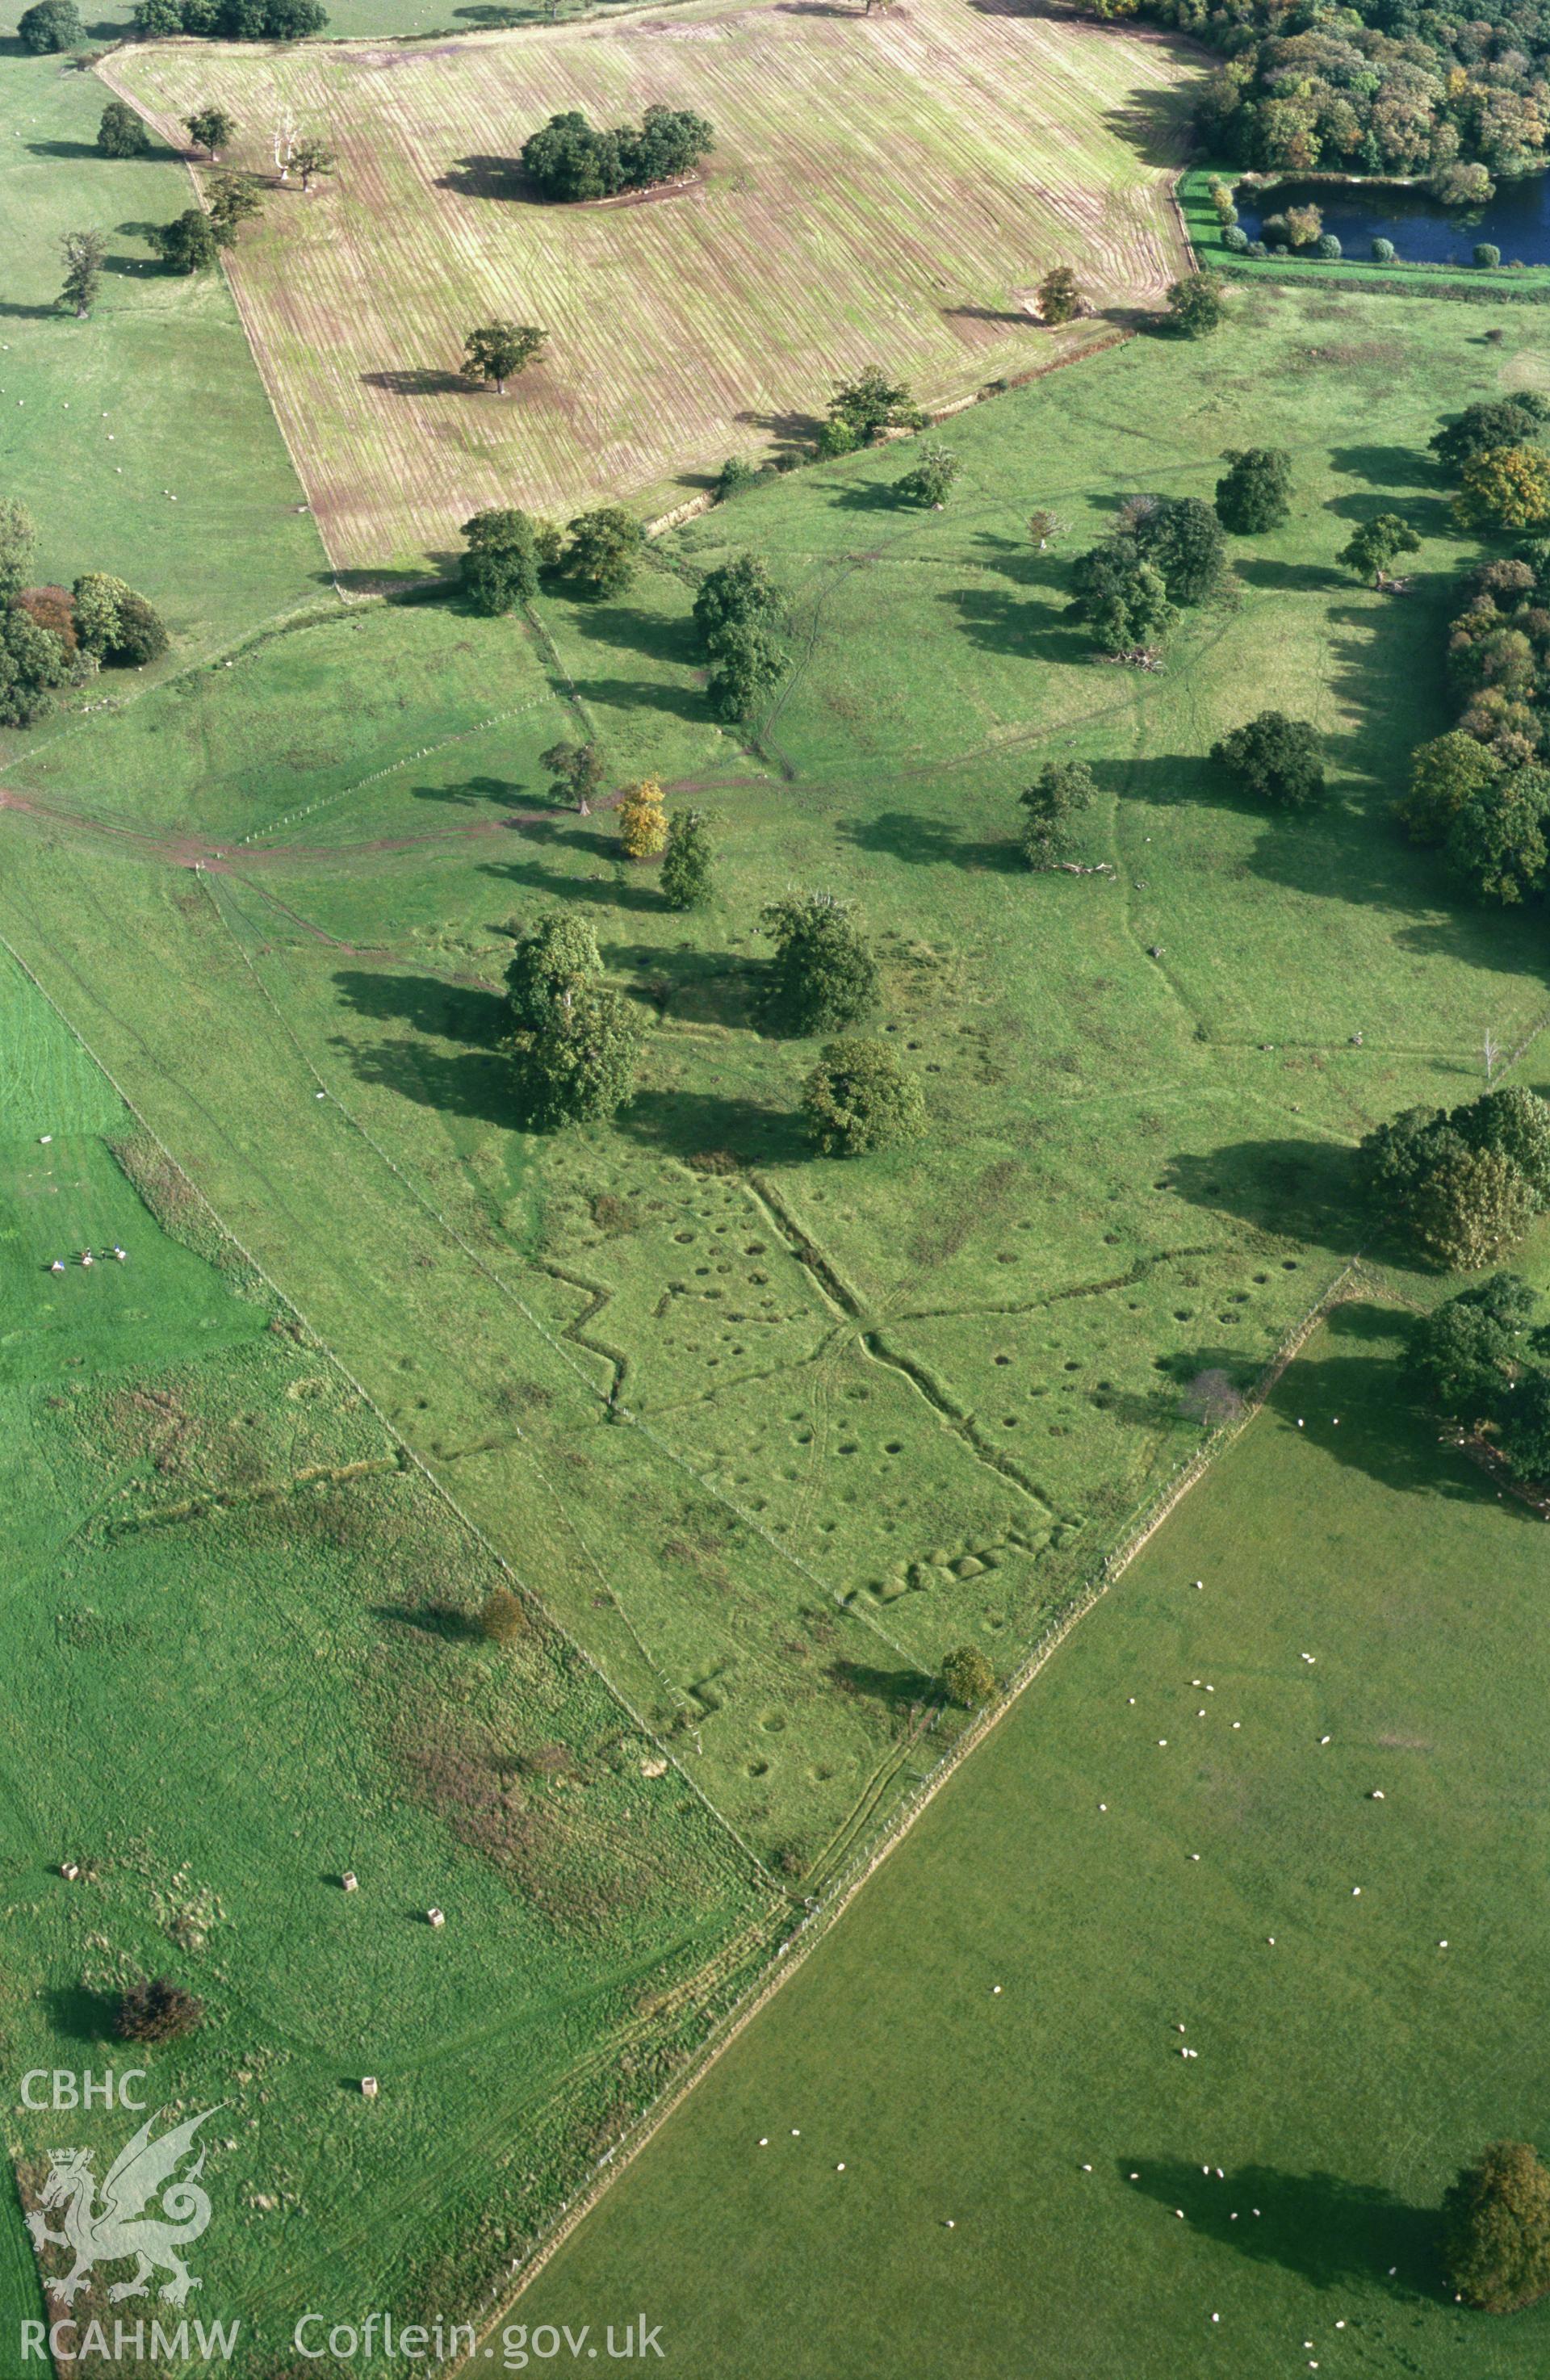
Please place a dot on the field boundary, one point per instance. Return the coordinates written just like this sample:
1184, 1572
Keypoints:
814, 1927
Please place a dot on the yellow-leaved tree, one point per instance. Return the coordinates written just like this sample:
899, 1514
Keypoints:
642, 820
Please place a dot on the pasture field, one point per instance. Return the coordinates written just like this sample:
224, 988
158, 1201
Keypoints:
141, 440
1345, 2068
764, 1435
240, 1634
893, 184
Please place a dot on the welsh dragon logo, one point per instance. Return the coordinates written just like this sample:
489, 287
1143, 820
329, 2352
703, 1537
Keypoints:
106, 2230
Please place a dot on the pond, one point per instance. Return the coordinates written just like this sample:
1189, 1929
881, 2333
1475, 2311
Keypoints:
1423, 232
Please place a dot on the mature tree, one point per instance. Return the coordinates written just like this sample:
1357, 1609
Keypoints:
1059, 296
209, 128
553, 961
1497, 2229
1195, 307
51, 25
823, 976
1504, 487
115, 622
234, 199
1496, 839
18, 537
1255, 492
642, 819
1445, 774
576, 773
31, 664
859, 408
156, 19
604, 550
858, 1099
929, 478
738, 590
1464, 1357
1275, 759
312, 159
188, 243
1471, 1207
501, 566
83, 252
968, 1677
1061, 791
121, 133
747, 661
157, 2010
1371, 548
500, 350
570, 159
579, 1066
686, 876
1122, 599
1523, 1429
1183, 538
1515, 1121
739, 614
1494, 421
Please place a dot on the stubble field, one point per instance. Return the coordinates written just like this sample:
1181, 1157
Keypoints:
887, 186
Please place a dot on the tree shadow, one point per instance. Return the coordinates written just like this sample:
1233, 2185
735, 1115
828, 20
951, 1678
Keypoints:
793, 430
438, 1619
501, 790
926, 841
1015, 317
1385, 465
78, 2014
453, 1011
15, 311
483, 178
635, 694
871, 496
1288, 577
1297, 1191
422, 382
682, 1123
655, 635
1430, 517
602, 892
697, 987
897, 1690
479, 1084
1324, 2230
1001, 622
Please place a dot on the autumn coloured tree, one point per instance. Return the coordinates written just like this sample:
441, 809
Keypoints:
643, 819
1503, 488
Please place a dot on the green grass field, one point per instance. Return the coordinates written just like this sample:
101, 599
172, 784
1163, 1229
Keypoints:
155, 398
763, 1442
1344, 2071
240, 1635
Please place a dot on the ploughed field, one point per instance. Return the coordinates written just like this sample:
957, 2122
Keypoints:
888, 188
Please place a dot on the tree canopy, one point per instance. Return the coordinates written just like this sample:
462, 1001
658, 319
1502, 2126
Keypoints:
1495, 839
1497, 2229
569, 159
858, 1099
739, 614
1493, 422
578, 1065
1504, 487
824, 975
929, 478
1195, 306
1061, 792
1463, 1187
968, 1677
643, 819
209, 128
1255, 492
1121, 597
553, 960
861, 408
687, 864
188, 243
51, 25
497, 351
501, 566
1371, 548
122, 133
604, 550
83, 252
1059, 296
1275, 758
